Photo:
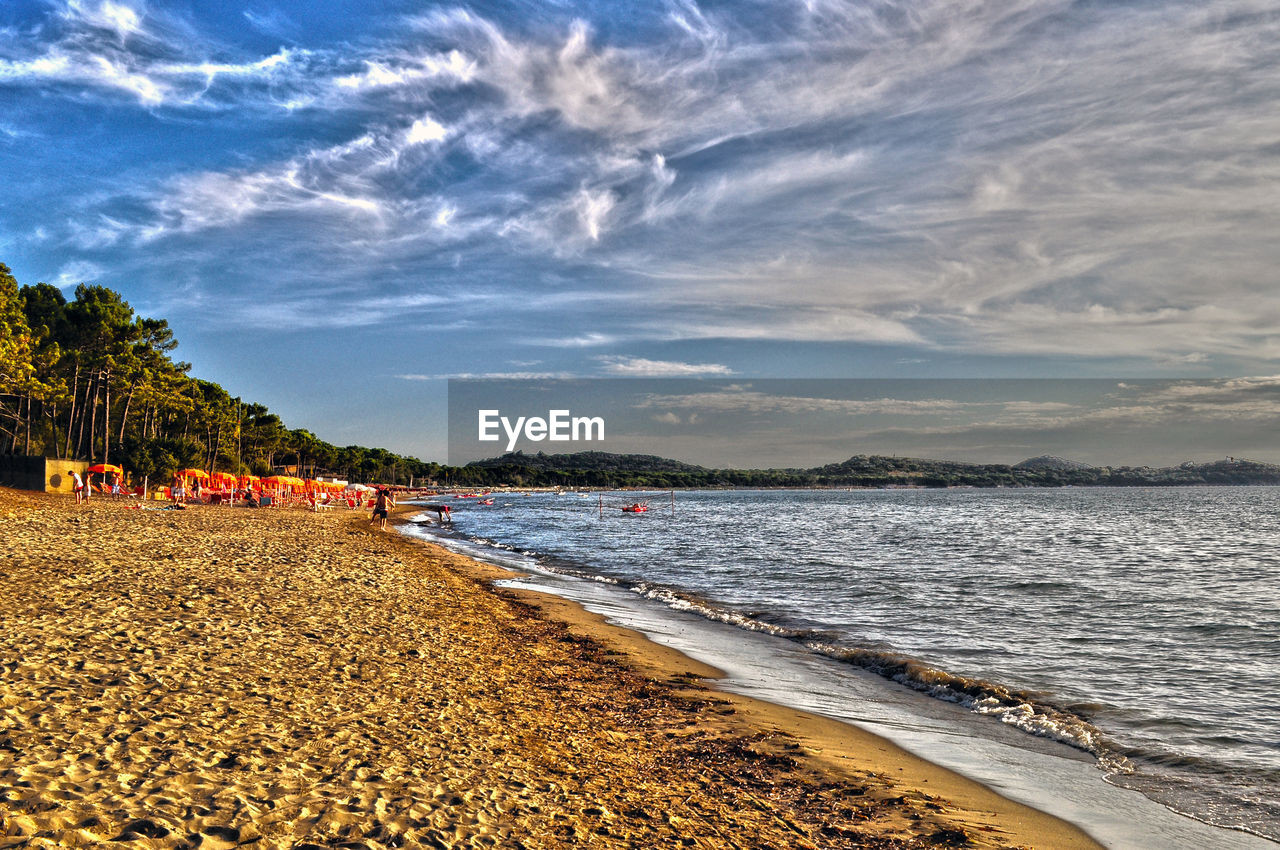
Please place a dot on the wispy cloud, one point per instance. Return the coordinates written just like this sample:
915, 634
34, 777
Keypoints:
139, 53
487, 376
1029, 177
746, 400
640, 366
76, 273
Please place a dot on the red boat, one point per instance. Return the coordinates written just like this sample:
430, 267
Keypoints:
635, 509
486, 502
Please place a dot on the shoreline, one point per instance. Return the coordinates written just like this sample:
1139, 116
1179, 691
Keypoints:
217, 676
1037, 771
832, 746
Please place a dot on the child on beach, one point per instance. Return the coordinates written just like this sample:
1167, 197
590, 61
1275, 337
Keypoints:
385, 502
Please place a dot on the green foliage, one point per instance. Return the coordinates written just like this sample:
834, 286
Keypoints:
159, 457
16, 340
89, 378
599, 469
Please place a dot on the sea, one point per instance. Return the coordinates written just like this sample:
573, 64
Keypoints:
1107, 655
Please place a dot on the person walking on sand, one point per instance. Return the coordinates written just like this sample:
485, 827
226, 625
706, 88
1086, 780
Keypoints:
77, 484
381, 507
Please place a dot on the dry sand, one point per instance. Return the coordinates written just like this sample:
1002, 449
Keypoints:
220, 676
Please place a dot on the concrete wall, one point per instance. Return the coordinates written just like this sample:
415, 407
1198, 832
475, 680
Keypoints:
49, 475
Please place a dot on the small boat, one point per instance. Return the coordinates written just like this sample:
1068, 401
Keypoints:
635, 509
485, 502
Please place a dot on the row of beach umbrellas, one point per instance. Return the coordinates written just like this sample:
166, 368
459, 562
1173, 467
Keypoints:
227, 480
273, 482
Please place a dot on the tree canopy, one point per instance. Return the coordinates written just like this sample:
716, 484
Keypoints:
88, 378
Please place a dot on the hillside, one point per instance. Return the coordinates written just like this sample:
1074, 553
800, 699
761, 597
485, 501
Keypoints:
603, 469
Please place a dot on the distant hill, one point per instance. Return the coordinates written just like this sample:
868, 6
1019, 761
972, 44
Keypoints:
1051, 462
589, 461
604, 469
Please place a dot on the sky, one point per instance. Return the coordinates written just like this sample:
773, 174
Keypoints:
338, 206
789, 423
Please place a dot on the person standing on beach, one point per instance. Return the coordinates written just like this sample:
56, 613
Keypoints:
381, 507
77, 484
175, 489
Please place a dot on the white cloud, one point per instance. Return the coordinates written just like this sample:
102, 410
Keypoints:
592, 209
77, 272
746, 400
426, 129
489, 376
640, 366
591, 339
143, 53
117, 18
1017, 178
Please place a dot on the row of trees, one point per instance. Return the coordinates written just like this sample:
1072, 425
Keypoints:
603, 470
89, 379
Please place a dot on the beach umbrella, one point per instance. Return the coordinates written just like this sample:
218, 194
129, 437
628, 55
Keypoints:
223, 478
193, 473
106, 467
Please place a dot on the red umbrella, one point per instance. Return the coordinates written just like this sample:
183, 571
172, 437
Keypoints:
106, 467
193, 473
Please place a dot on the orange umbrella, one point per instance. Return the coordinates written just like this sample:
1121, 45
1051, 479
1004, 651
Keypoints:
106, 467
193, 473
223, 478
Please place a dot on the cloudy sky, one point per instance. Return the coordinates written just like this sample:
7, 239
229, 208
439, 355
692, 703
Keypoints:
339, 205
786, 422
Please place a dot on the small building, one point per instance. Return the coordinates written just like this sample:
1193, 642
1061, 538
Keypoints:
42, 474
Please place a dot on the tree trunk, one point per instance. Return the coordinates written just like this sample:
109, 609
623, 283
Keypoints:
27, 449
217, 443
124, 417
17, 425
93, 418
84, 418
52, 413
106, 421
71, 414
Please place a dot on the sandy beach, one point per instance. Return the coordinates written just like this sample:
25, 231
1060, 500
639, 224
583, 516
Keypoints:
219, 676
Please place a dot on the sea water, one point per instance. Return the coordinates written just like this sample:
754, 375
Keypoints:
1137, 629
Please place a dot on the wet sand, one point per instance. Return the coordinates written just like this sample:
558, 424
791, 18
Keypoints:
219, 676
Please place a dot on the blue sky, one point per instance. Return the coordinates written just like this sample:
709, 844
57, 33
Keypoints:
339, 205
